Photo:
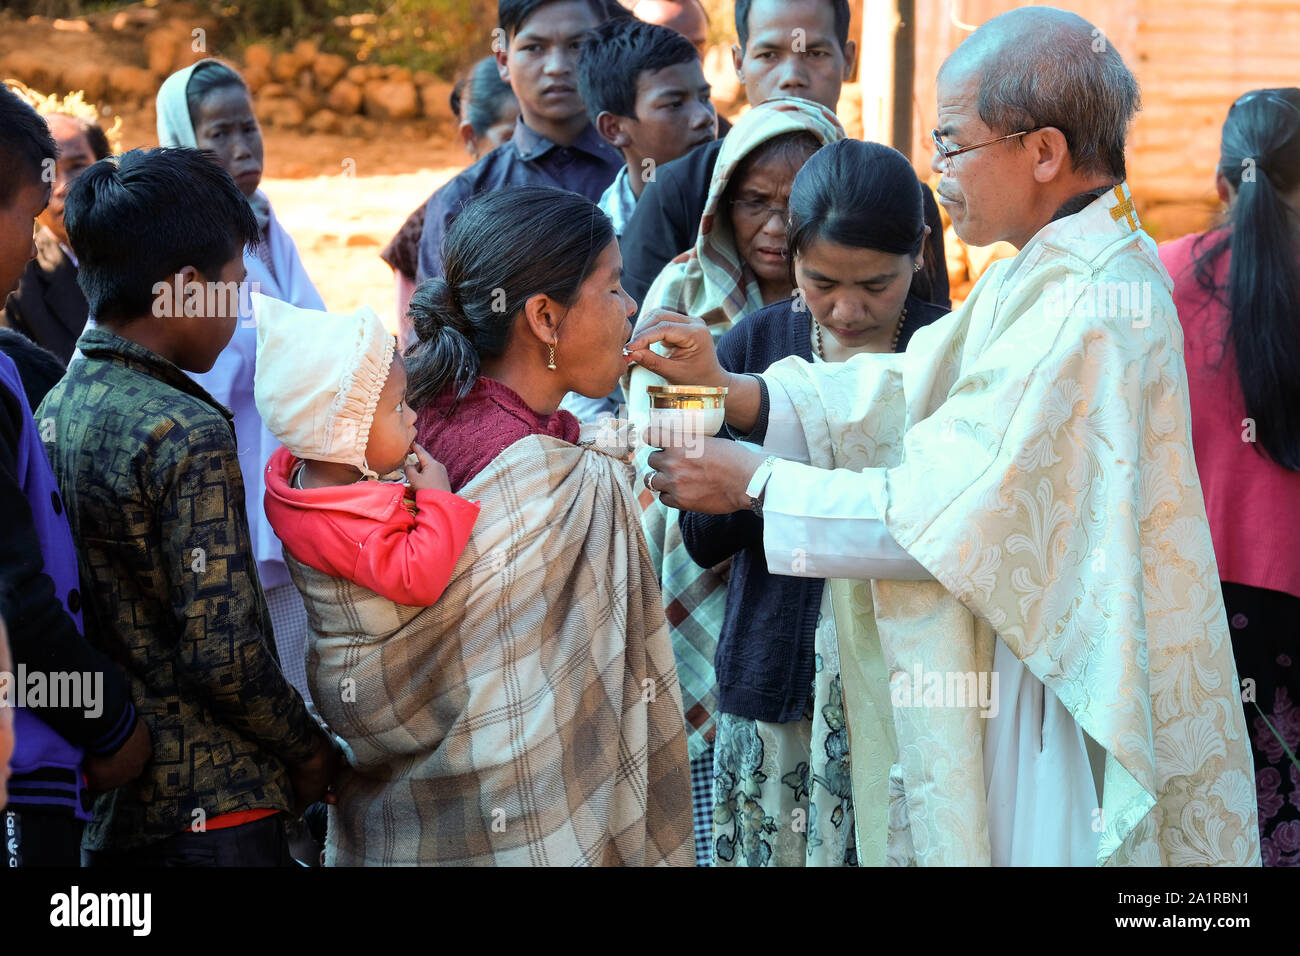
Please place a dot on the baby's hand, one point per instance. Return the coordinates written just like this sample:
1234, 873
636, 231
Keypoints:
428, 474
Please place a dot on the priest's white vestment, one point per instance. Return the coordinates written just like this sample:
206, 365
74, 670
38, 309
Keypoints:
1031, 455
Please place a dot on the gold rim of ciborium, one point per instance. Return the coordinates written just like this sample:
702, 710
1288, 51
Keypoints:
686, 396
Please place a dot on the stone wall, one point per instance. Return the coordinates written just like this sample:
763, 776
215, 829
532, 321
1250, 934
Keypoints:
119, 59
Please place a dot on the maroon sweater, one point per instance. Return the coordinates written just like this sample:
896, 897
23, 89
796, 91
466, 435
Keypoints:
466, 434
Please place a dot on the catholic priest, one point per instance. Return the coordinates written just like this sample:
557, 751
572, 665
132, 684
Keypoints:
1033, 647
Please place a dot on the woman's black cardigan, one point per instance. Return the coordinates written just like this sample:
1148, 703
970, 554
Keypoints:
764, 660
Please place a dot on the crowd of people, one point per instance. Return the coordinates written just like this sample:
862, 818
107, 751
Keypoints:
431, 599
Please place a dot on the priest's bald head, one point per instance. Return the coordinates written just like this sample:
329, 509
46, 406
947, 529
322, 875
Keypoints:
1056, 100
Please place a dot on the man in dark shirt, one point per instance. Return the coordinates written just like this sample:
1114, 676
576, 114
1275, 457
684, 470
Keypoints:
554, 143
787, 48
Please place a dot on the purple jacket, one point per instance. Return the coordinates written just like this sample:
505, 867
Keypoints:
46, 636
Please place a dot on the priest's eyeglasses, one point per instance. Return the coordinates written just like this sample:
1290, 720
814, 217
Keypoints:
948, 153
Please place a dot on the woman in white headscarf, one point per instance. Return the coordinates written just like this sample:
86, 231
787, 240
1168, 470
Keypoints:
208, 106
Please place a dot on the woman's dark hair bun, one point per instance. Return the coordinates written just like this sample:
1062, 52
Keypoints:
444, 352
435, 307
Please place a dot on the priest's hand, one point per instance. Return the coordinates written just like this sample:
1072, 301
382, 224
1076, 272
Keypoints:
691, 359
710, 478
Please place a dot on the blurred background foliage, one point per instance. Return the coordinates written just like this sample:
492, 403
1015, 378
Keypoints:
440, 36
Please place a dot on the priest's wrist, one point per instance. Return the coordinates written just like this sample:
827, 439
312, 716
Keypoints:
740, 496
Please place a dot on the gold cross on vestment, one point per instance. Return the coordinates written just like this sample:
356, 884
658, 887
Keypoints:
1125, 209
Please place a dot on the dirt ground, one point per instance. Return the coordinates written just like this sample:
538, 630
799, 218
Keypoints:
342, 200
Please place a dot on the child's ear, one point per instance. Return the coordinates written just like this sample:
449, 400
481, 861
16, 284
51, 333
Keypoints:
610, 128
171, 293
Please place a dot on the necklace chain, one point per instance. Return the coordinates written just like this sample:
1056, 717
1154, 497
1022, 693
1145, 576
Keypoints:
893, 345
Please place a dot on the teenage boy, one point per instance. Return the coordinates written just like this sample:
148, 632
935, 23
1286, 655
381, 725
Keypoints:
646, 94
787, 48
554, 144
65, 748
147, 463
687, 17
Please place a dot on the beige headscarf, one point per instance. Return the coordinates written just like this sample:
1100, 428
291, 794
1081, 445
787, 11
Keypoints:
714, 283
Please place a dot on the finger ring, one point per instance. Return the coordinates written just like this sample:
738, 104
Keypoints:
649, 479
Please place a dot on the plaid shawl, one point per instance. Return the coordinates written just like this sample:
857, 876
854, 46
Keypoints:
715, 284
532, 716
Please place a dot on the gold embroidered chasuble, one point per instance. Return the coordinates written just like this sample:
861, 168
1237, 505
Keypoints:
1038, 462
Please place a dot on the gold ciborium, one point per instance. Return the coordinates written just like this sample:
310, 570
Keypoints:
682, 415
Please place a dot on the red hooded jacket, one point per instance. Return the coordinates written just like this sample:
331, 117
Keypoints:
365, 533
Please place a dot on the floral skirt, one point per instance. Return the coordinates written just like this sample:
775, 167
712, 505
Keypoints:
1263, 627
783, 793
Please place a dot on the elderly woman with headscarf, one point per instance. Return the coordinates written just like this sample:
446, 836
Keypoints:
208, 106
738, 265
48, 306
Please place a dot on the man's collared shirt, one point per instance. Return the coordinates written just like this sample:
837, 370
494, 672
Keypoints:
587, 167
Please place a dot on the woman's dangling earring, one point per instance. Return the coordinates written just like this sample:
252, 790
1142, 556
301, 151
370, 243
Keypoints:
550, 362
916, 267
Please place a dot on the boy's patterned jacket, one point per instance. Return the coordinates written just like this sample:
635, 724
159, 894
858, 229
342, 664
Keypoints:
146, 462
